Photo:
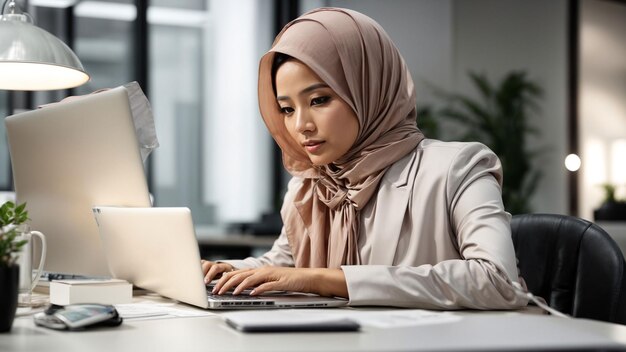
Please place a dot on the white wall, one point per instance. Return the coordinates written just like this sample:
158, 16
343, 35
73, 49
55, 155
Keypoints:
423, 32
602, 104
442, 39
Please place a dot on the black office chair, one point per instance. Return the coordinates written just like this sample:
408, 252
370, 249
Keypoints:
573, 264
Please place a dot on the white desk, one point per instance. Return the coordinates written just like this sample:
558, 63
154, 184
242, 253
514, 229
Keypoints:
474, 331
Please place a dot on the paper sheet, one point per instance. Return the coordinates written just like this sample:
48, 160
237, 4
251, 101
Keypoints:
150, 310
388, 319
385, 319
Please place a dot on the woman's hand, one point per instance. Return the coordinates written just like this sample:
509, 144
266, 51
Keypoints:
211, 270
325, 282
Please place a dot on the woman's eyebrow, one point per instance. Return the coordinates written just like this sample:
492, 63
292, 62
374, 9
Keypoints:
305, 90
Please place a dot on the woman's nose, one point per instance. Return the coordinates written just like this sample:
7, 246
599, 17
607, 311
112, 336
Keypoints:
304, 123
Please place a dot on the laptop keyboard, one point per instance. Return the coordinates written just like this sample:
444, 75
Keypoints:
51, 276
229, 297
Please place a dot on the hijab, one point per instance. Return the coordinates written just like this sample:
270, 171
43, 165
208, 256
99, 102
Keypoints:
356, 58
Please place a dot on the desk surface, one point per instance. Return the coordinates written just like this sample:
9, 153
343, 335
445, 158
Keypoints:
474, 331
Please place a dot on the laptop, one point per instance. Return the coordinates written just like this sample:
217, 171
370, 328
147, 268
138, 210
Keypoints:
156, 249
68, 157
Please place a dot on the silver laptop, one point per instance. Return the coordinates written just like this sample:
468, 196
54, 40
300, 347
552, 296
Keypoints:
68, 157
156, 249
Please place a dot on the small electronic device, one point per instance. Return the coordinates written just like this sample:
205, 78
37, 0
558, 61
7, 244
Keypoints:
78, 316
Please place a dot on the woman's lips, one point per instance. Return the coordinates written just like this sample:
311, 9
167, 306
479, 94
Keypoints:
313, 146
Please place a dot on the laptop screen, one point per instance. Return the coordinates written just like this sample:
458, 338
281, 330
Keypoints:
68, 157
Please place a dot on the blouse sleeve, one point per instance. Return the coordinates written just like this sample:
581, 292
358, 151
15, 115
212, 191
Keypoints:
483, 277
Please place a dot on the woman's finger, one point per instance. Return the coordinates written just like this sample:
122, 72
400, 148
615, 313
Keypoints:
205, 265
214, 269
267, 286
230, 279
206, 270
254, 279
221, 281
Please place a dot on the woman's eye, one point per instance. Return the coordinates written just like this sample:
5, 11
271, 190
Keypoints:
286, 110
320, 100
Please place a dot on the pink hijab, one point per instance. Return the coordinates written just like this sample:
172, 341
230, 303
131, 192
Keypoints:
353, 55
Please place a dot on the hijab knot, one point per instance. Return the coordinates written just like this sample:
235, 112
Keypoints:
330, 192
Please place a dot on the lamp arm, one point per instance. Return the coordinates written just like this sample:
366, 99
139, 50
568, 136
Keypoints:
5, 5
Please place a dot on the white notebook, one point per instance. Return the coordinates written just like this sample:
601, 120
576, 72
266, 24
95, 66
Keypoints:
288, 320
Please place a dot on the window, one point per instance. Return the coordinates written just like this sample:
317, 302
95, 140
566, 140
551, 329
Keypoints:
5, 164
202, 67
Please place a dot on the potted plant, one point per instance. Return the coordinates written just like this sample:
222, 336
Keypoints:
611, 208
11, 216
499, 119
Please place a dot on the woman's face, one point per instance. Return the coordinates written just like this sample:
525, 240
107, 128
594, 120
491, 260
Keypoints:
316, 118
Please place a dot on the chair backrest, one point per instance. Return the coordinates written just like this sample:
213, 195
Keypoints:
573, 264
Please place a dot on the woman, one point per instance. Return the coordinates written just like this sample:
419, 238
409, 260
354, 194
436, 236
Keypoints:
374, 212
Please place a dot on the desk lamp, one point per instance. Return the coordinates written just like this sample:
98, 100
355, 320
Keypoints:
32, 58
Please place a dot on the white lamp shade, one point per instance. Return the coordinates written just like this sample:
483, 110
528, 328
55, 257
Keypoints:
33, 59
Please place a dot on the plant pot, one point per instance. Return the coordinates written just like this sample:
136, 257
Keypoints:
611, 211
9, 281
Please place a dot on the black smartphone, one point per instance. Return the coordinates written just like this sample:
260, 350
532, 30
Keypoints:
78, 316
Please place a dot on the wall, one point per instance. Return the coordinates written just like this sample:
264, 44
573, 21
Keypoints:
422, 31
442, 39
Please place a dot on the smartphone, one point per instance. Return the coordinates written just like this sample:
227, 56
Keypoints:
78, 316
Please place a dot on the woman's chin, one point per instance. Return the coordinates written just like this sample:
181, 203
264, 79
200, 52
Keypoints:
316, 160
322, 158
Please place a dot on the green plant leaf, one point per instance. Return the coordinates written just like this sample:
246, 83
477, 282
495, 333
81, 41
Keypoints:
481, 82
500, 120
10, 214
20, 208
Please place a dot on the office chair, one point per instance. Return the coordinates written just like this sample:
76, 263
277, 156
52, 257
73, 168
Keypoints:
573, 264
